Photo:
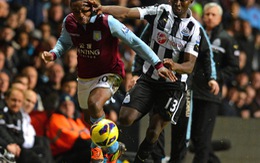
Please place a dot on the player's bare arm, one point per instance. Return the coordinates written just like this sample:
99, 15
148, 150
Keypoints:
182, 68
117, 11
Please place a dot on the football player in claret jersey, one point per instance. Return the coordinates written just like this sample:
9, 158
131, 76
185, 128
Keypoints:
100, 69
175, 39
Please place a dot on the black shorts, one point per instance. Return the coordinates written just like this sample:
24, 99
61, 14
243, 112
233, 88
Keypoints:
163, 98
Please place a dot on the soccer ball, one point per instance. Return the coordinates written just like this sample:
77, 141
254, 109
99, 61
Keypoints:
104, 133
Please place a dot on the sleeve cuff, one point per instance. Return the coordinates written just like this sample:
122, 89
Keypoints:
158, 65
54, 55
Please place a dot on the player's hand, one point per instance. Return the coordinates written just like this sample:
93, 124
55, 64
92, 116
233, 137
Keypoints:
213, 84
168, 62
14, 149
96, 5
47, 56
166, 73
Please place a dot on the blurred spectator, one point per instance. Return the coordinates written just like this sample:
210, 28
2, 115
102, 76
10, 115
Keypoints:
70, 62
39, 64
31, 141
52, 41
22, 79
21, 12
70, 138
51, 90
55, 18
11, 128
256, 55
246, 44
34, 9
69, 86
256, 105
32, 75
242, 60
7, 34
25, 51
241, 101
11, 58
35, 38
2, 63
242, 80
255, 80
249, 11
246, 112
228, 105
46, 30
27, 26
197, 11
12, 20
4, 85
4, 11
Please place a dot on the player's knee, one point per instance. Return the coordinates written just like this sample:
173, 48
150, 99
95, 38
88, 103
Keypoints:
125, 121
94, 106
127, 116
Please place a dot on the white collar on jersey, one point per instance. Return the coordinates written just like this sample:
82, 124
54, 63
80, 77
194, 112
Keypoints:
92, 19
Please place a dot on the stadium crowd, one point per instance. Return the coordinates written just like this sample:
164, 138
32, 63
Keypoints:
29, 27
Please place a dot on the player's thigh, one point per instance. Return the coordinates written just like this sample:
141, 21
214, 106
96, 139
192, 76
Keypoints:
108, 84
137, 102
169, 104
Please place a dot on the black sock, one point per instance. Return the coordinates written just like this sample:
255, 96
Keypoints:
144, 151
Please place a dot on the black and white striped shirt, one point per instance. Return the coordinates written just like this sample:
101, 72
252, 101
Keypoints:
171, 36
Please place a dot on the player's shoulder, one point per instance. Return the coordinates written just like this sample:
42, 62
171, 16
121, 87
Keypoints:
165, 7
157, 7
70, 21
69, 18
195, 22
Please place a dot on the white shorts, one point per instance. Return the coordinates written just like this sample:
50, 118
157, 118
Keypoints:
85, 86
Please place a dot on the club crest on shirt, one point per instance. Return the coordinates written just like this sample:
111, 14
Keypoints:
161, 37
127, 98
97, 35
216, 42
185, 32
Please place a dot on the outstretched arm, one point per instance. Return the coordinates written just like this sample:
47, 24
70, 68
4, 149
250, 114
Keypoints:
63, 44
141, 48
117, 11
182, 68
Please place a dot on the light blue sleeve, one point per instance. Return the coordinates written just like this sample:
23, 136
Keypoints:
120, 31
213, 64
63, 43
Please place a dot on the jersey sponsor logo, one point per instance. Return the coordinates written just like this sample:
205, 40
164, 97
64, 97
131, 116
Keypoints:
97, 35
177, 43
86, 51
161, 38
